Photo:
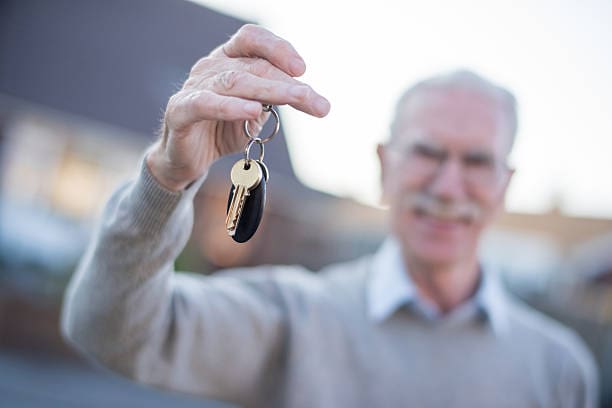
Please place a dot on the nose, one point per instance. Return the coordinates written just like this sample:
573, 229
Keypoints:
447, 183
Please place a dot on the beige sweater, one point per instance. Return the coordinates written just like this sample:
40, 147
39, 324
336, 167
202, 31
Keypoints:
279, 336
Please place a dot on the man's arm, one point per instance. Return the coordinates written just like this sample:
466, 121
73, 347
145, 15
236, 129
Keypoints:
125, 306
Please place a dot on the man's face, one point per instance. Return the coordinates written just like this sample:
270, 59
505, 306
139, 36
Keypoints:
444, 173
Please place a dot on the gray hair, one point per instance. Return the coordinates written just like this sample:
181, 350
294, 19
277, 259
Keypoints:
465, 80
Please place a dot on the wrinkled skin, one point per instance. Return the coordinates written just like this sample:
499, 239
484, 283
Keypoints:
203, 121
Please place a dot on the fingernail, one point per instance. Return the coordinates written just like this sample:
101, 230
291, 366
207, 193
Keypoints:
298, 91
322, 106
252, 108
297, 66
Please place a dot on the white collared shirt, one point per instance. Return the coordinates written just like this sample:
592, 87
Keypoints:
391, 288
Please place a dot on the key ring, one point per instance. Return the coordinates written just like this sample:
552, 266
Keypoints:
247, 149
247, 132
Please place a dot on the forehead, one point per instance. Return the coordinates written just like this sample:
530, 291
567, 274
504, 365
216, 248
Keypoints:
455, 118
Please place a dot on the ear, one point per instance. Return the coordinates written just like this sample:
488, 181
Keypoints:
380, 151
506, 182
503, 189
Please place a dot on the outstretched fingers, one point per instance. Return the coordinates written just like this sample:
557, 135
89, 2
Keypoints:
188, 107
253, 67
255, 41
252, 87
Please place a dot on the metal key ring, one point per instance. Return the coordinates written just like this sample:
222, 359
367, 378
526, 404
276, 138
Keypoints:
247, 149
247, 132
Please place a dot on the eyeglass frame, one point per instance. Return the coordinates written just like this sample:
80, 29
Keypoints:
439, 156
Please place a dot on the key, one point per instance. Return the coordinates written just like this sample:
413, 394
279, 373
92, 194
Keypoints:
249, 179
246, 175
252, 212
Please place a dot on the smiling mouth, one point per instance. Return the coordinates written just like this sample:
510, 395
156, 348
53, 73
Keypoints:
443, 217
425, 205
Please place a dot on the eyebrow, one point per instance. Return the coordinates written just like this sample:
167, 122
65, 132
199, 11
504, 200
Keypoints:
479, 155
475, 154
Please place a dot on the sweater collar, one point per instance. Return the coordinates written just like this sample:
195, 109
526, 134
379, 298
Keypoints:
390, 288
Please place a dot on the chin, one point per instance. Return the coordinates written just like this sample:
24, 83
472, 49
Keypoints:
437, 242
437, 253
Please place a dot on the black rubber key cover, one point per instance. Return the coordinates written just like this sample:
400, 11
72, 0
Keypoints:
252, 211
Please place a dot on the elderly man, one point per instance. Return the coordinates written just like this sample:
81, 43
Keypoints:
421, 323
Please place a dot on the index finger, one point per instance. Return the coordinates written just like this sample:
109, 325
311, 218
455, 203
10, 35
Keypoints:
255, 41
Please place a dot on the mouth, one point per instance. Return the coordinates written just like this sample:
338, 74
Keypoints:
440, 223
442, 217
442, 214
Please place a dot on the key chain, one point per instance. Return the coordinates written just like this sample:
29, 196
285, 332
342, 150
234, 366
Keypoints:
247, 197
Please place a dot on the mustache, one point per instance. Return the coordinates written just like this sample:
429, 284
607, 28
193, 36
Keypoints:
428, 204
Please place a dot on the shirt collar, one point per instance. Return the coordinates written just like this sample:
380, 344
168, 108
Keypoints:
390, 288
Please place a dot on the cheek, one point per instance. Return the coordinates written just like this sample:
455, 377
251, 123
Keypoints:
490, 202
398, 182
396, 191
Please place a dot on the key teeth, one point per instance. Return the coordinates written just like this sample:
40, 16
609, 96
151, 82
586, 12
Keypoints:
235, 210
237, 213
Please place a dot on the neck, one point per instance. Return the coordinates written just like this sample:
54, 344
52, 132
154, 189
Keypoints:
444, 285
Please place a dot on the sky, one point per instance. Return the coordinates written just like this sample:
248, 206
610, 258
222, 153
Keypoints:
555, 56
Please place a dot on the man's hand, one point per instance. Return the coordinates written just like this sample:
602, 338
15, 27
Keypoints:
203, 121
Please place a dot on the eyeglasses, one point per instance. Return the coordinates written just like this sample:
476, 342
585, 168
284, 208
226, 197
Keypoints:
479, 169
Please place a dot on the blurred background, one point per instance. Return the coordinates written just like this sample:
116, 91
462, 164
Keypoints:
83, 85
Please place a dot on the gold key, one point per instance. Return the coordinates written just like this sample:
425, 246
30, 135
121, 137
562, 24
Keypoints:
246, 175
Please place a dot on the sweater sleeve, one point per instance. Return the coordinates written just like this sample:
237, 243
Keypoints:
127, 308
